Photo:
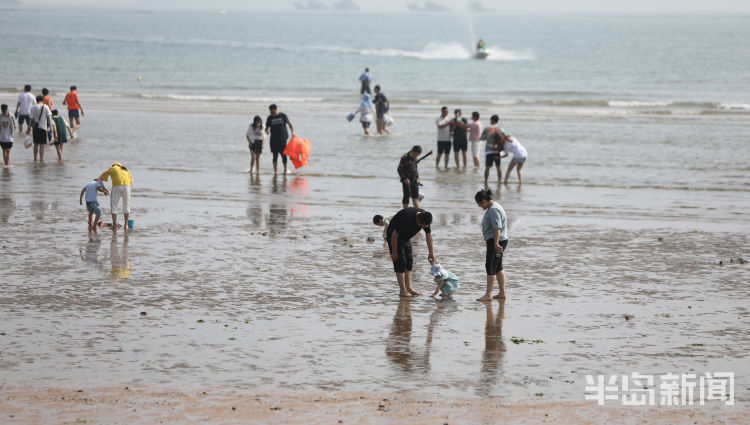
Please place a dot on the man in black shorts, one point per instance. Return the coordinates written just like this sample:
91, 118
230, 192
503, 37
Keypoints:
443, 136
459, 126
409, 175
381, 108
403, 226
276, 125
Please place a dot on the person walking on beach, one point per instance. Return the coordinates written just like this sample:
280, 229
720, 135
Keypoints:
403, 226
443, 136
459, 125
475, 132
255, 140
513, 146
121, 183
492, 136
365, 78
276, 126
62, 129
92, 205
75, 110
495, 232
7, 128
366, 113
42, 122
409, 175
47, 98
23, 108
381, 107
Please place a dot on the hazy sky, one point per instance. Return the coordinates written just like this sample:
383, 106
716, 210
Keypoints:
631, 6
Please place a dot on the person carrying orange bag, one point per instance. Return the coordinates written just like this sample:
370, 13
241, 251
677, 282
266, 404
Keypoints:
298, 149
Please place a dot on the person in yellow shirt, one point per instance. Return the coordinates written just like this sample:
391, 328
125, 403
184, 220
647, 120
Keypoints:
121, 183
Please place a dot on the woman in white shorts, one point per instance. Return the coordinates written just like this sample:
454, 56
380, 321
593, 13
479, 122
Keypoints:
513, 146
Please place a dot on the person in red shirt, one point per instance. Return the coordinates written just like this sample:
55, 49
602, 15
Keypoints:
75, 110
47, 98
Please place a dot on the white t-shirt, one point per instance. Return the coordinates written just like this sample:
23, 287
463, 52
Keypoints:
256, 133
515, 147
443, 134
26, 99
35, 114
91, 188
7, 127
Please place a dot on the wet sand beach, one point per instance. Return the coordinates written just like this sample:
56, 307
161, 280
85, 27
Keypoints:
268, 285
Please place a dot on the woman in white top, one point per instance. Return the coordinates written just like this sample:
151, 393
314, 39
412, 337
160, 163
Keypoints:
255, 137
366, 112
512, 145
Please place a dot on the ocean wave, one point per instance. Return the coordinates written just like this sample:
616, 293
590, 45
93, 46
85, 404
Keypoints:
635, 103
210, 98
446, 51
735, 106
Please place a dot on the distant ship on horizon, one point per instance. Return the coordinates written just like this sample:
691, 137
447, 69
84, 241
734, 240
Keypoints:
428, 6
346, 5
310, 5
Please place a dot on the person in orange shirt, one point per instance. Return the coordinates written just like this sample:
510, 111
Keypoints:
47, 98
75, 110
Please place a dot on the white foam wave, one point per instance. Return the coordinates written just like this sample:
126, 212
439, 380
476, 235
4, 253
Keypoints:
505, 102
445, 51
497, 54
635, 104
735, 106
209, 98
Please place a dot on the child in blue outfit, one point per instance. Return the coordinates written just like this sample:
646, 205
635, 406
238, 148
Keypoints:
447, 282
92, 205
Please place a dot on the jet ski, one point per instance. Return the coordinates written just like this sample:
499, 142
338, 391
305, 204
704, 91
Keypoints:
481, 52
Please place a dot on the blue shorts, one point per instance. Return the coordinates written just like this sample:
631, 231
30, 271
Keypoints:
73, 113
519, 159
93, 207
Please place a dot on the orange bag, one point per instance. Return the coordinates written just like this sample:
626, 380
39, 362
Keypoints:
298, 149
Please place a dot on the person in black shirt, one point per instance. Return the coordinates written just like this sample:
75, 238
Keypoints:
459, 126
403, 226
381, 107
276, 125
407, 172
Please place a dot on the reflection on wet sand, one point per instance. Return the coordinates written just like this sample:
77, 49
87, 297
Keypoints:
119, 258
398, 346
39, 207
494, 348
6, 209
443, 309
277, 216
90, 254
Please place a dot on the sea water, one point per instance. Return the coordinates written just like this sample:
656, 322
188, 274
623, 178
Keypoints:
637, 186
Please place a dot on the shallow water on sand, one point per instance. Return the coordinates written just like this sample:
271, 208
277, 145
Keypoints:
270, 281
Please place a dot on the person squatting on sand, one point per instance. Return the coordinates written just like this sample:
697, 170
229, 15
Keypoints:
121, 183
447, 282
92, 205
407, 171
495, 232
492, 148
379, 220
7, 128
255, 141
403, 226
276, 126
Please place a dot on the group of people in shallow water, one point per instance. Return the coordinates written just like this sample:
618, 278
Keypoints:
43, 123
405, 224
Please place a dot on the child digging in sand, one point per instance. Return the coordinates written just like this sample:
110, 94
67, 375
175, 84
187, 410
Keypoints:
92, 205
379, 220
447, 282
